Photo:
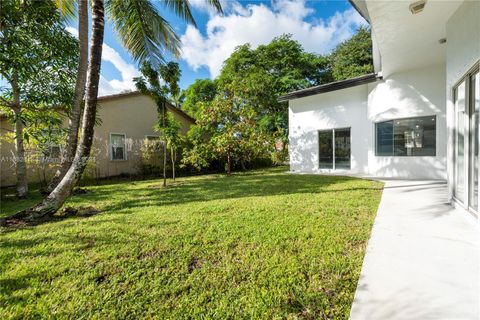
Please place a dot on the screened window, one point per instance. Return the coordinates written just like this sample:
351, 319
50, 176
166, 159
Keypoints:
407, 137
53, 152
117, 147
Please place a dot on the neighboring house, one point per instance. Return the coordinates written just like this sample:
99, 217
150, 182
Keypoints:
125, 121
417, 117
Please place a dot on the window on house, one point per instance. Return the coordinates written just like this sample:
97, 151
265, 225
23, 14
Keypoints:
334, 149
152, 138
117, 147
406, 137
53, 152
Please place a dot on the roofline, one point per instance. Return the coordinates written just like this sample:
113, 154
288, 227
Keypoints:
363, 13
119, 95
332, 86
170, 106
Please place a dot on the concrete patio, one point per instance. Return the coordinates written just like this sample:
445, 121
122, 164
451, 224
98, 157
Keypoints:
422, 260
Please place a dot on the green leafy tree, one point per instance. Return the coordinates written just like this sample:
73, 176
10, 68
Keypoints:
353, 57
38, 60
173, 138
197, 95
227, 131
146, 35
161, 86
259, 76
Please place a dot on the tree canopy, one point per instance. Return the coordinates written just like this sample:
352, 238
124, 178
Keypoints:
197, 95
37, 52
353, 57
242, 103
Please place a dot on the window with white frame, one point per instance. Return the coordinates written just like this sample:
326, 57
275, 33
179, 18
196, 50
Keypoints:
117, 146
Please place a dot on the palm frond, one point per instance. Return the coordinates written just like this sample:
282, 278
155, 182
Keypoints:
67, 7
182, 9
143, 32
216, 4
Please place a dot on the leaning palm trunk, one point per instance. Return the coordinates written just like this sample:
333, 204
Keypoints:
63, 190
20, 164
74, 121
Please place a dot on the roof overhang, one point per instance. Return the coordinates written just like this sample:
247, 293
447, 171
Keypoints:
407, 41
361, 7
332, 86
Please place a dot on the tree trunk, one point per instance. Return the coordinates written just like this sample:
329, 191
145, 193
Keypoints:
20, 163
64, 189
164, 146
229, 162
74, 121
173, 162
164, 164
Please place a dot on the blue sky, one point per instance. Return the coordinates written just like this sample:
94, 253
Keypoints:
318, 25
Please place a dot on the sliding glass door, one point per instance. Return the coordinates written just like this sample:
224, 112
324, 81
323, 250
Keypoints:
460, 142
334, 149
466, 154
474, 141
325, 149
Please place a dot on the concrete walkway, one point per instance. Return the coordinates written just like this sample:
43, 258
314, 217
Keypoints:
422, 260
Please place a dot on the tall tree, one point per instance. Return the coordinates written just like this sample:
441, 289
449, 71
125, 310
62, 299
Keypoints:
226, 131
37, 58
199, 93
259, 76
146, 35
353, 57
76, 111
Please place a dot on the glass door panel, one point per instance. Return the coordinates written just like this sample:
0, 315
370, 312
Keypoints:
325, 149
460, 142
474, 138
342, 148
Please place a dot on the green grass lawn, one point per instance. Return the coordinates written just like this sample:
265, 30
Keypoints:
257, 245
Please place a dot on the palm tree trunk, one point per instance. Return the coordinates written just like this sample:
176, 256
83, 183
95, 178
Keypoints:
64, 189
20, 163
74, 121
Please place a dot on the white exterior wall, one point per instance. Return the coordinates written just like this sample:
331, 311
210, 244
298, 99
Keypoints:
413, 93
336, 109
403, 95
463, 51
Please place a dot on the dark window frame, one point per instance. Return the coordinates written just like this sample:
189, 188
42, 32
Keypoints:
334, 166
393, 140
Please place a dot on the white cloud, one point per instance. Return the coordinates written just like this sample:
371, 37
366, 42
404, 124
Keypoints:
73, 31
259, 24
127, 71
204, 6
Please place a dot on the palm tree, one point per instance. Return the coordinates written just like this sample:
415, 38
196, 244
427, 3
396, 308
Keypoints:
146, 35
76, 112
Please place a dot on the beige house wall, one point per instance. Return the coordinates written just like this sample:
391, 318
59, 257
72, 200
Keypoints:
36, 170
131, 114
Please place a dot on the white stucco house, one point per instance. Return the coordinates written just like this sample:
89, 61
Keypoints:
416, 117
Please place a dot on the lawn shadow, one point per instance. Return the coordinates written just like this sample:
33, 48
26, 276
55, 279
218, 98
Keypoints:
235, 187
138, 194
